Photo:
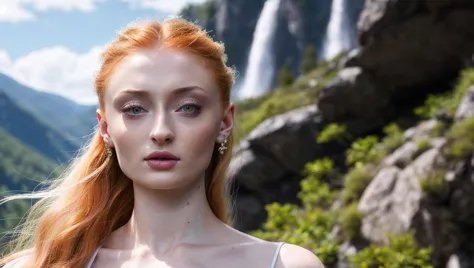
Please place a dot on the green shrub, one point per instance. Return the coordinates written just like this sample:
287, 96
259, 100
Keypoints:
422, 146
333, 132
307, 228
251, 112
433, 182
363, 150
278, 103
285, 76
309, 60
350, 221
447, 101
401, 252
357, 180
460, 140
393, 137
439, 129
314, 191
433, 104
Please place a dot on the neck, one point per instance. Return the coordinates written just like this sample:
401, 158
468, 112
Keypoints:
162, 220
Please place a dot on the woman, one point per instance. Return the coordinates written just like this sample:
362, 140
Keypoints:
149, 189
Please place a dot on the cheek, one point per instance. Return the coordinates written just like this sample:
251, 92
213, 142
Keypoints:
203, 137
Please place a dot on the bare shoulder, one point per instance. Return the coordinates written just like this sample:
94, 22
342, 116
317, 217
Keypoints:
17, 263
293, 256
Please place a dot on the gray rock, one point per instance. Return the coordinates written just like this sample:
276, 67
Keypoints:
375, 202
414, 42
392, 201
266, 166
402, 156
466, 107
252, 169
289, 138
421, 130
353, 94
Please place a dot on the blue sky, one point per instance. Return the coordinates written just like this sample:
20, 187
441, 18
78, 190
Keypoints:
54, 45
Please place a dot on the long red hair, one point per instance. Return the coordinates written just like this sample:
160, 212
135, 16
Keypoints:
93, 197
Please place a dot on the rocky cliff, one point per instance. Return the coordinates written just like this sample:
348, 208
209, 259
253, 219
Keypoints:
300, 23
371, 147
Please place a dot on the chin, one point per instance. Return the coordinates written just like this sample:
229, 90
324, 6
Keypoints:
168, 180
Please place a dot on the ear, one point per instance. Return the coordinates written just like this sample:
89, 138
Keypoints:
103, 128
227, 123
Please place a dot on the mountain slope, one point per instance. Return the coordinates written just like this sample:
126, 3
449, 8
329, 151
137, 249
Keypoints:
66, 116
21, 169
34, 132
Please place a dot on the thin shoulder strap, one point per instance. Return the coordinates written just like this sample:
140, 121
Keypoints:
89, 264
275, 256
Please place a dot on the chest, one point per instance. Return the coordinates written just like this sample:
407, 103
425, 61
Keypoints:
233, 258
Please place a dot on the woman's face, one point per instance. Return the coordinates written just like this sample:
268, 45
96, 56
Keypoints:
165, 101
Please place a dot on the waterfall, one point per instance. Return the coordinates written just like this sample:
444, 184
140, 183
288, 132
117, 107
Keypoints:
260, 64
338, 37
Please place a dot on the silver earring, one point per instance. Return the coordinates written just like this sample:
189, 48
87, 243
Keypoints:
222, 148
109, 151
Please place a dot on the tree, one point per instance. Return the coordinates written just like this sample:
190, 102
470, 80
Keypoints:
309, 60
285, 78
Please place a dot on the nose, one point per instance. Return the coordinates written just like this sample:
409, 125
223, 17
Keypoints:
162, 132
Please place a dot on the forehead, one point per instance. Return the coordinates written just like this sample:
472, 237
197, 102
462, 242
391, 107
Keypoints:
160, 70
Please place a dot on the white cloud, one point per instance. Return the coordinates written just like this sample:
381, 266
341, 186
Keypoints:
173, 6
14, 11
23, 10
56, 70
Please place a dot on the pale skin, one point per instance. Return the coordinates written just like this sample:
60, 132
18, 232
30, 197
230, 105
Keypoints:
172, 224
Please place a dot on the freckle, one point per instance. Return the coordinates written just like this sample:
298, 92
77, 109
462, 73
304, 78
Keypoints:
187, 203
189, 222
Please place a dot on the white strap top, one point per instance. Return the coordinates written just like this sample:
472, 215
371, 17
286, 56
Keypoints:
274, 261
275, 256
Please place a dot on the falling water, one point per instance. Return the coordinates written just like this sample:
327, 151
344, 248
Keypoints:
338, 36
260, 67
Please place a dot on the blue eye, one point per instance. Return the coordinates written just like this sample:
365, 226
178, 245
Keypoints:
190, 109
135, 109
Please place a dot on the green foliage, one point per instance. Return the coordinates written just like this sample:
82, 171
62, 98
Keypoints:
363, 150
285, 76
433, 104
350, 221
393, 138
402, 251
309, 60
307, 228
433, 182
357, 180
422, 145
314, 191
277, 103
460, 140
439, 129
333, 132
251, 112
447, 101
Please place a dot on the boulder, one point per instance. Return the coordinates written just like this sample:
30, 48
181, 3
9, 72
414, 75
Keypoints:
266, 166
407, 43
392, 201
356, 99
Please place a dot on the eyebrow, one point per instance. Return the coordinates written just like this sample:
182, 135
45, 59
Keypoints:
145, 93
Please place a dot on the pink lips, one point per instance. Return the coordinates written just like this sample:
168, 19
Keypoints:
161, 160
